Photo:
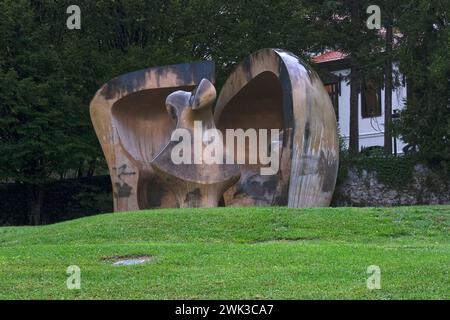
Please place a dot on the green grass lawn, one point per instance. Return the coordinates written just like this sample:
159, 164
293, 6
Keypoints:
234, 253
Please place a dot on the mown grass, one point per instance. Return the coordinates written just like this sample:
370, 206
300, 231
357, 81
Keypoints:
234, 253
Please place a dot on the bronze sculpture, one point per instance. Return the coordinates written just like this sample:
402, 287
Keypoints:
271, 89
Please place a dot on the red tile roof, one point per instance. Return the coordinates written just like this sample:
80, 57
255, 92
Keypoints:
329, 56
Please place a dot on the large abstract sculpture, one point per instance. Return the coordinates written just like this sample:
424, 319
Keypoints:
136, 114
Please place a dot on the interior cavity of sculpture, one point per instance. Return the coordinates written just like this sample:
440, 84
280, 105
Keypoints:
138, 118
194, 182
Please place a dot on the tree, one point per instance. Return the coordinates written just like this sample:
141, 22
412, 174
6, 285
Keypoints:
342, 26
424, 55
42, 127
354, 81
388, 86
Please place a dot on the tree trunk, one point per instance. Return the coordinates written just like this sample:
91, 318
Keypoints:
91, 169
388, 89
354, 88
80, 170
354, 109
35, 199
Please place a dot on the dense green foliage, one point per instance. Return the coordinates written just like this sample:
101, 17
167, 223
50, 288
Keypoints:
234, 253
424, 56
393, 171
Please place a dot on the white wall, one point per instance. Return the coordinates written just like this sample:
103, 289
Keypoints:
371, 130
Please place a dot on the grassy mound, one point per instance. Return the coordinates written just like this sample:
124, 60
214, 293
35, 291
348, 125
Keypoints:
234, 253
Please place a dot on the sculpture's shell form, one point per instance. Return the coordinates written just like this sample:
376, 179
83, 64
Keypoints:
132, 124
273, 88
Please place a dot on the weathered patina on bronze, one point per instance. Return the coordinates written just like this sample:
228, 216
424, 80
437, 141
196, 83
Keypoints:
270, 89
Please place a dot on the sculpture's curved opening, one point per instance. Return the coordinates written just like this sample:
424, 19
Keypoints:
259, 105
143, 124
144, 127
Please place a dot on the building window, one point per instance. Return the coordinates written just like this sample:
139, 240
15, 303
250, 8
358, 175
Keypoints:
370, 100
333, 91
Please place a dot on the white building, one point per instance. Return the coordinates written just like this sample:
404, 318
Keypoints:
335, 68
